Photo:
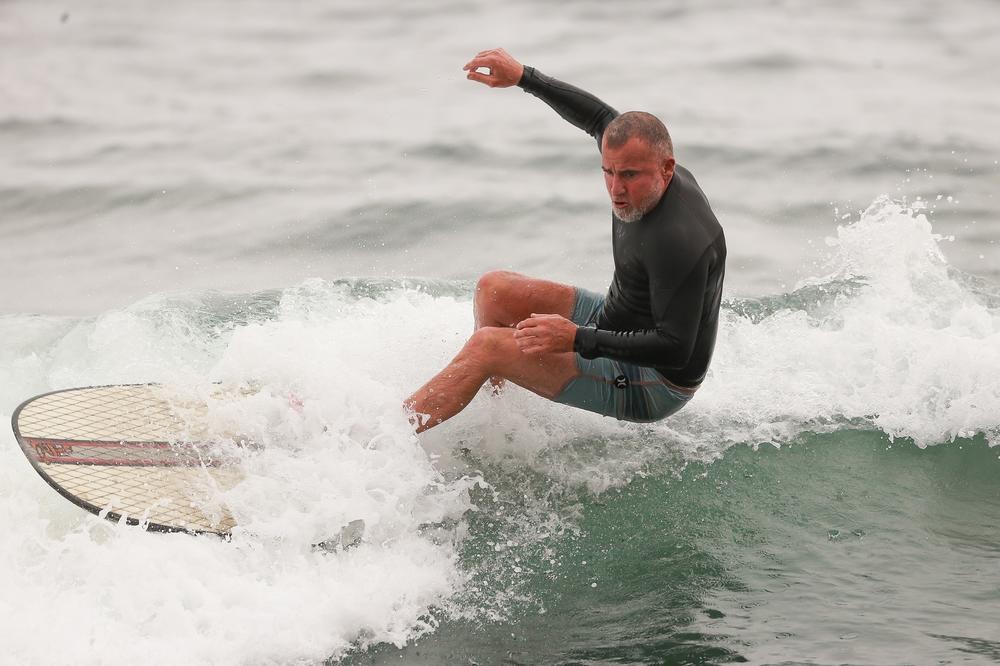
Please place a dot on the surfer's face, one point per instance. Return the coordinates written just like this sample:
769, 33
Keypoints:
636, 176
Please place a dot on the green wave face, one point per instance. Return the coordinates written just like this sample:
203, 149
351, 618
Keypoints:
837, 548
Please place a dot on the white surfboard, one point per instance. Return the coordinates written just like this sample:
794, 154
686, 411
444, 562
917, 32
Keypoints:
132, 453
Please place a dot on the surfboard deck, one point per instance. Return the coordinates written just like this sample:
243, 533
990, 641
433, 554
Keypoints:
131, 452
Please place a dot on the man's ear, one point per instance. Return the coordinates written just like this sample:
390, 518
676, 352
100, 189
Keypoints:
668, 168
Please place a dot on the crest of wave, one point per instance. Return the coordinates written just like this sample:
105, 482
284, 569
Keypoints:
891, 338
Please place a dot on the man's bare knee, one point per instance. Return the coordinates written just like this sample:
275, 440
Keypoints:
493, 353
492, 291
488, 349
496, 284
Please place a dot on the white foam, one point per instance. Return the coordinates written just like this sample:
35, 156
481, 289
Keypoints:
341, 451
912, 351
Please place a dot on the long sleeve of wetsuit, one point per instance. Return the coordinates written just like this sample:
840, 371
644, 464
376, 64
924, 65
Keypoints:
576, 106
678, 300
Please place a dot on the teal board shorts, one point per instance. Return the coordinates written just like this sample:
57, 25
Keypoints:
623, 390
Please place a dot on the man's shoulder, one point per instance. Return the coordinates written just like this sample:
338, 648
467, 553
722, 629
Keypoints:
686, 211
689, 196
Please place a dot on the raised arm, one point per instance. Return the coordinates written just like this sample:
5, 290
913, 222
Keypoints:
576, 106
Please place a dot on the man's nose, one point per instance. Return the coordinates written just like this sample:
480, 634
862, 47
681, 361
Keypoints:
617, 185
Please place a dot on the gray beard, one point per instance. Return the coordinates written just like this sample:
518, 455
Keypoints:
633, 214
630, 215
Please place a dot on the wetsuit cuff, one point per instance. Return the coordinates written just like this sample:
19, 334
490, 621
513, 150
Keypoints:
585, 342
527, 77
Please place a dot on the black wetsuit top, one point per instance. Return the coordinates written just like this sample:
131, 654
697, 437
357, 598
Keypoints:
662, 309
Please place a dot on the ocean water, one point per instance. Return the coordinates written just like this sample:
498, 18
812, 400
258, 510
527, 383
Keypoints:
300, 196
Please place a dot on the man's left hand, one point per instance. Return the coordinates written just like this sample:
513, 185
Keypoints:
545, 334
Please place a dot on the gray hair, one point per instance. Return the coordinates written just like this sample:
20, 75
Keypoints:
640, 125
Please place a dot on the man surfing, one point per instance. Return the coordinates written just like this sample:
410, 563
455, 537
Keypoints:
638, 353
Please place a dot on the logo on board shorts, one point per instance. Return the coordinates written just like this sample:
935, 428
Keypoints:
621, 381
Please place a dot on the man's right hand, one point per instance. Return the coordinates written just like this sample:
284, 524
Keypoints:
504, 70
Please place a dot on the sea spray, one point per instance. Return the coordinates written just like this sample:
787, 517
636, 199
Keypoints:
900, 343
336, 447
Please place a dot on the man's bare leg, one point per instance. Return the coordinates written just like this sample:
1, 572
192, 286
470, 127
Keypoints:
490, 352
504, 298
